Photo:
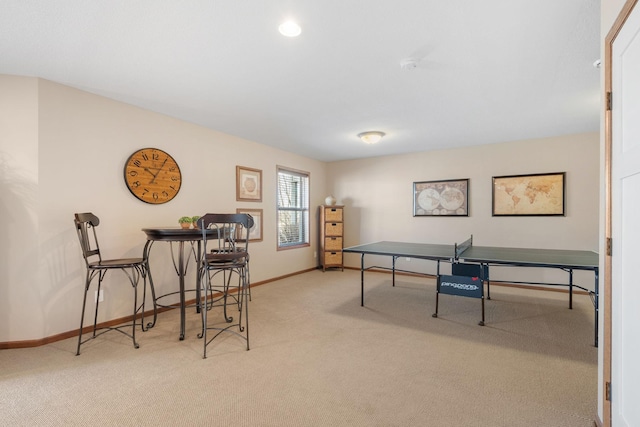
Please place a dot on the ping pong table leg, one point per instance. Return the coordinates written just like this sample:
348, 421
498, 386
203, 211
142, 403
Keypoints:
393, 270
437, 293
596, 303
437, 298
485, 269
362, 280
437, 288
570, 289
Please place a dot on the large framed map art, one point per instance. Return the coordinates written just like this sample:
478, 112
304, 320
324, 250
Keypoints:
441, 198
529, 195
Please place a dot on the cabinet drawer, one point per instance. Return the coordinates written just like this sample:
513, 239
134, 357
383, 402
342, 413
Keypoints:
333, 229
332, 258
333, 243
333, 214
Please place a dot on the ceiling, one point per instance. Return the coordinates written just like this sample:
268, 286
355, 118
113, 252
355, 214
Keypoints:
485, 71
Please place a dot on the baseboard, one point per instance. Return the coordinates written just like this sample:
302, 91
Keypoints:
110, 323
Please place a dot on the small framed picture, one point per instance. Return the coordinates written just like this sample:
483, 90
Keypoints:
255, 233
248, 184
539, 194
441, 198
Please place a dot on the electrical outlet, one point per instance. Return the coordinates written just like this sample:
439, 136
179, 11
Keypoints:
99, 298
315, 254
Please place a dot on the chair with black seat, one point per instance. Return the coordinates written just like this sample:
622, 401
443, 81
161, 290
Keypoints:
240, 241
134, 268
225, 254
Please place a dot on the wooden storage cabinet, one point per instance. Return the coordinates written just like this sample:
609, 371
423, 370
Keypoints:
331, 237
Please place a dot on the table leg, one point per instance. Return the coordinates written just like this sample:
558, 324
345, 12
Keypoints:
437, 287
485, 269
570, 289
145, 255
198, 291
393, 270
596, 303
181, 274
362, 280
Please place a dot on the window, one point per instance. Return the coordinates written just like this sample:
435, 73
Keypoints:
293, 208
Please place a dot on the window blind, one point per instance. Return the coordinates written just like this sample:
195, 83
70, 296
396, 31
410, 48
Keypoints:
293, 207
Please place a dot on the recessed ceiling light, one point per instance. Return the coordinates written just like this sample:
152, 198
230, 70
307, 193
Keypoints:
290, 29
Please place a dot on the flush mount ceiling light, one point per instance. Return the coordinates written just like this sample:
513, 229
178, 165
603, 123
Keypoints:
289, 29
371, 137
409, 63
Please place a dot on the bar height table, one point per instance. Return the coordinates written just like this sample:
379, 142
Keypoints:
180, 236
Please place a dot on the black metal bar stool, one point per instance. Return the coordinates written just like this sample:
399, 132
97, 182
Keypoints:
133, 268
223, 257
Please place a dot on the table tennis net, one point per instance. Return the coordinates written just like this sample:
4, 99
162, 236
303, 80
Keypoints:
461, 247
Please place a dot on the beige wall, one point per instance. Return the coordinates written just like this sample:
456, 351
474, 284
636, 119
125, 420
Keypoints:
21, 311
63, 150
378, 195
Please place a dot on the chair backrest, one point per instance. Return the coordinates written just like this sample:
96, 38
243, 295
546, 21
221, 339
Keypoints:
86, 224
232, 232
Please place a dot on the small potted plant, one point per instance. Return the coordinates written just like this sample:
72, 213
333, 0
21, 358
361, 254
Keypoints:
185, 222
194, 220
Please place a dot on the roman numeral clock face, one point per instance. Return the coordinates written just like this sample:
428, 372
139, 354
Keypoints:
152, 175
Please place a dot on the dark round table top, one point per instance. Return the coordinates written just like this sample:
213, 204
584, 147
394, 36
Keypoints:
176, 233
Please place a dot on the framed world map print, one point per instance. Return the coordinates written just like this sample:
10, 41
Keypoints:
441, 198
529, 195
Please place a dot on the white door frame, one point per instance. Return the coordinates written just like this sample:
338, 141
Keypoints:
607, 309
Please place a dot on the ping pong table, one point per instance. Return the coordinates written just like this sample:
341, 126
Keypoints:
485, 256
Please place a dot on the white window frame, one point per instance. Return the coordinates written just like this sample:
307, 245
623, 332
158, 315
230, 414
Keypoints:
287, 206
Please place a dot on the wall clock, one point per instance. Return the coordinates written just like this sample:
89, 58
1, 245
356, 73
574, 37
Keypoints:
152, 175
